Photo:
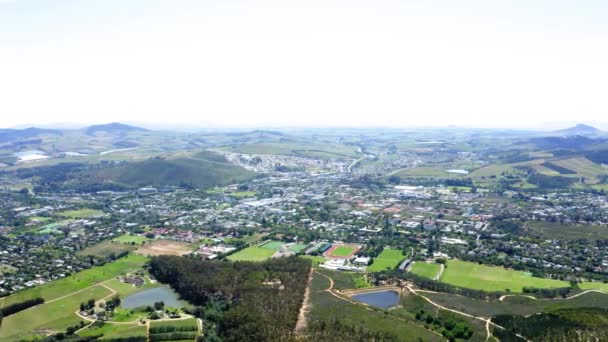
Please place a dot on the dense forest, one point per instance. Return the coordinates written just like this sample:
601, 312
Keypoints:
241, 301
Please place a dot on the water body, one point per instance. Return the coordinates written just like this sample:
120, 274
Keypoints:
460, 171
382, 299
149, 297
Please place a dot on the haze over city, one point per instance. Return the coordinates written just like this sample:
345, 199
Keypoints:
304, 63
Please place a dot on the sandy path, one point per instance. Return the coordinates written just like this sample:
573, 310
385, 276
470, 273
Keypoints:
302, 323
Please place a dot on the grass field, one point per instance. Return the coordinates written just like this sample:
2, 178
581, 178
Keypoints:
492, 278
128, 239
316, 260
389, 258
52, 316
80, 213
273, 245
177, 323
243, 194
425, 269
115, 331
79, 280
252, 253
105, 249
568, 232
427, 171
595, 285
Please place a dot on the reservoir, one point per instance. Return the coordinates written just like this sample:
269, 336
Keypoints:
382, 299
149, 297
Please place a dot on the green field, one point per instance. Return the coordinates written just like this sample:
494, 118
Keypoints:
298, 247
243, 194
128, 239
568, 232
426, 171
343, 251
595, 285
316, 260
176, 323
115, 331
252, 253
79, 281
52, 316
389, 258
80, 213
425, 269
492, 278
273, 245
105, 249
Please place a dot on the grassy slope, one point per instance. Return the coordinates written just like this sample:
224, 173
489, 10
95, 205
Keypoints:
491, 278
79, 280
427, 270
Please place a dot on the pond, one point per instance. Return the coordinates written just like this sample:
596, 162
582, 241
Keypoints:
149, 297
381, 299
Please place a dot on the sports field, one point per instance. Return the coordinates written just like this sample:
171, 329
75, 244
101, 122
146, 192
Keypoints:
80, 213
273, 245
425, 269
492, 278
252, 253
298, 247
342, 251
126, 238
388, 259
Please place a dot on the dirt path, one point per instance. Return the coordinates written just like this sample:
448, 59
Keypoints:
502, 298
440, 273
302, 323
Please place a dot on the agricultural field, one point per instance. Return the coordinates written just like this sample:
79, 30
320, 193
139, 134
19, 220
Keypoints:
52, 316
253, 253
130, 239
425, 269
80, 213
78, 281
105, 249
389, 258
115, 330
342, 251
165, 247
568, 232
492, 278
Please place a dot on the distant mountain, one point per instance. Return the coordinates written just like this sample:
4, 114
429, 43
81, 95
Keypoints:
9, 135
112, 128
582, 130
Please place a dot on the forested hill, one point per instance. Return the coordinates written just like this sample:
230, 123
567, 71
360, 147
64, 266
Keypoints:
242, 301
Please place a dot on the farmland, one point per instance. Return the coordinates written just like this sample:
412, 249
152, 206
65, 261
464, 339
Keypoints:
491, 278
78, 281
426, 269
389, 258
253, 253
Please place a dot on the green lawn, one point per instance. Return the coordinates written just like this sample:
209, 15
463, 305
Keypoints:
424, 269
54, 316
125, 289
273, 245
492, 278
80, 213
128, 239
79, 280
389, 258
595, 285
343, 251
252, 253
316, 260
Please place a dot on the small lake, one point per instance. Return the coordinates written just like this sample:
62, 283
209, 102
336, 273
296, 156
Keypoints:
382, 299
149, 297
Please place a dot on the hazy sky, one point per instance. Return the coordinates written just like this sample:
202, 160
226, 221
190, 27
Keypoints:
350, 63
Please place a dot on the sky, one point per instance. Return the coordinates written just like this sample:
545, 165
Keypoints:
227, 63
